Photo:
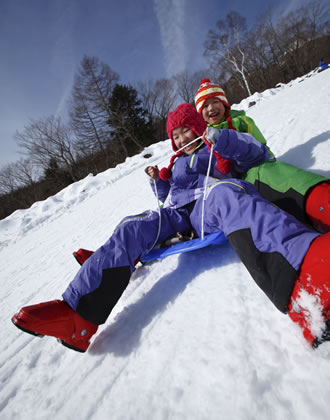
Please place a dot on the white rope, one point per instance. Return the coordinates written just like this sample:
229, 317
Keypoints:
179, 150
160, 218
205, 189
156, 193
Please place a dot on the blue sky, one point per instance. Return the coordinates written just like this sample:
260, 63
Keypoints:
43, 41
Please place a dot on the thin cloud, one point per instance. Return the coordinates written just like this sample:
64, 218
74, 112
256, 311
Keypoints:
292, 5
62, 61
171, 20
282, 8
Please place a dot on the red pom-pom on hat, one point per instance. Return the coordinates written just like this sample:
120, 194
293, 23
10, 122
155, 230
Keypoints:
165, 174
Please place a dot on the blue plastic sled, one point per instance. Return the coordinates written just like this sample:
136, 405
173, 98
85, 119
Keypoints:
216, 238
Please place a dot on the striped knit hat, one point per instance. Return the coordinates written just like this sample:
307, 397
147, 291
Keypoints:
208, 90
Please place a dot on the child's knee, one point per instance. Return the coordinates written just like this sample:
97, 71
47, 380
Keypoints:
317, 206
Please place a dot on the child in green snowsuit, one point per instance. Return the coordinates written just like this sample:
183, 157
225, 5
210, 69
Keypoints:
304, 194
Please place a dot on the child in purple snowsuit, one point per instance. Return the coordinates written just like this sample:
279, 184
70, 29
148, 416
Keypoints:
271, 243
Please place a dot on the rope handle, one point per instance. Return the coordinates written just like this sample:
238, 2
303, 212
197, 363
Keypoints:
160, 218
205, 188
179, 150
204, 194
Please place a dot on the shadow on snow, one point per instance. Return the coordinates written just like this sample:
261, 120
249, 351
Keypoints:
123, 336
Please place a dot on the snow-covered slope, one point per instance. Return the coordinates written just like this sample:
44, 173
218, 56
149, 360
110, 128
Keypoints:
192, 337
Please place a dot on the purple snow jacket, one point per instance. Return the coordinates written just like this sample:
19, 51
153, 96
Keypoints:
189, 172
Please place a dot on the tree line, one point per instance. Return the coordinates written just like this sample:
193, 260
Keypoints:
108, 121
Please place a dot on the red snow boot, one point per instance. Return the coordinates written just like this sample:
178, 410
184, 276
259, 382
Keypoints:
313, 286
318, 207
82, 255
56, 319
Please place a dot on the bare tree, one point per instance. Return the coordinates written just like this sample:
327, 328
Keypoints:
92, 90
318, 16
48, 139
278, 50
299, 27
158, 99
270, 45
166, 97
147, 93
293, 32
26, 172
282, 44
226, 42
187, 84
8, 179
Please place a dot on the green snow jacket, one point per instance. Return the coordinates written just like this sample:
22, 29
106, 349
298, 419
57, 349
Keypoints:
281, 183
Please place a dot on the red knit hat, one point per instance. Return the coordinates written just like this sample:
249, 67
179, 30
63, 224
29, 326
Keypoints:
208, 90
185, 115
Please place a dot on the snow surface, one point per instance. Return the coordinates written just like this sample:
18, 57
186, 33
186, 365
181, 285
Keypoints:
192, 337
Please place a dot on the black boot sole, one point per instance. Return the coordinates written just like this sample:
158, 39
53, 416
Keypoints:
69, 346
41, 335
25, 330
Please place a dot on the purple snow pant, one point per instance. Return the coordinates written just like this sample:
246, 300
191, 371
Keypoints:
270, 242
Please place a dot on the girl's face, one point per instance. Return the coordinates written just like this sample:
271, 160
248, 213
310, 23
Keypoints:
182, 136
213, 111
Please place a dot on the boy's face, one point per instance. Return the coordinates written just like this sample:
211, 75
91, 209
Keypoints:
213, 111
182, 136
